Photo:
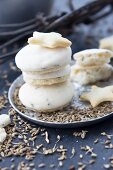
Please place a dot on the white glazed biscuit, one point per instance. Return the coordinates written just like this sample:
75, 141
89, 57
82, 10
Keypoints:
93, 57
37, 58
46, 98
35, 78
88, 75
106, 43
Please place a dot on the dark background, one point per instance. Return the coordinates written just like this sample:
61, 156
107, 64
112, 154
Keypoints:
83, 37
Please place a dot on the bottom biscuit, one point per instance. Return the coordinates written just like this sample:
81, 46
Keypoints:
46, 98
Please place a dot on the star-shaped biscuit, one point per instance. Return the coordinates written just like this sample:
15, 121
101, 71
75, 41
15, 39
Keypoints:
49, 40
98, 95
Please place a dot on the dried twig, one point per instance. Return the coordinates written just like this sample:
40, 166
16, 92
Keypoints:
80, 15
16, 25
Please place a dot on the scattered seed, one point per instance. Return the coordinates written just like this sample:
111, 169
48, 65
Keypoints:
62, 157
93, 155
96, 141
73, 151
13, 167
72, 167
58, 138
106, 166
60, 163
52, 165
82, 167
92, 161
46, 137
81, 156
82, 134
42, 165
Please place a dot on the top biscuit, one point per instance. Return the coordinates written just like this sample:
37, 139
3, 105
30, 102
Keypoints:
49, 40
37, 57
92, 57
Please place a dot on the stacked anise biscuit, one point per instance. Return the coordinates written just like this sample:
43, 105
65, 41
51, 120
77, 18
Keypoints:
45, 66
91, 66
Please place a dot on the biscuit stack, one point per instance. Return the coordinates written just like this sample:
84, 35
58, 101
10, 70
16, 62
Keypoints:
45, 67
91, 66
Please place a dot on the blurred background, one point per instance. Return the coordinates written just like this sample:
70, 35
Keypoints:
22, 10
18, 19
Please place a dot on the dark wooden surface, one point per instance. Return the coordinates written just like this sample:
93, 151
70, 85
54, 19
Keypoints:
84, 37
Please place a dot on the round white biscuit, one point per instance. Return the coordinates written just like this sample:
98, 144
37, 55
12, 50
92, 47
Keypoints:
46, 98
88, 75
37, 58
93, 57
35, 78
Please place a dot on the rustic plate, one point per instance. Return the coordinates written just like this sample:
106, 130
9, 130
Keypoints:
19, 81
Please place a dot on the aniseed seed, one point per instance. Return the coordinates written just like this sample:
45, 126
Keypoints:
106, 166
93, 155
72, 167
32, 164
13, 166
42, 165
52, 166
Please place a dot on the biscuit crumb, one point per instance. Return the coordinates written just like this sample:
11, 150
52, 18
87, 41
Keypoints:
3, 135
